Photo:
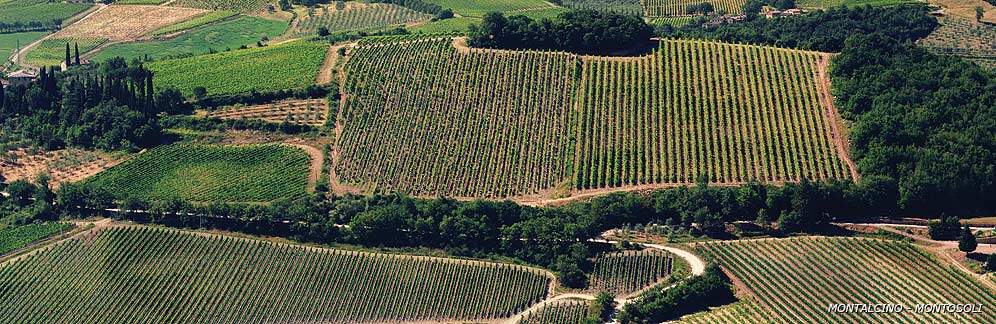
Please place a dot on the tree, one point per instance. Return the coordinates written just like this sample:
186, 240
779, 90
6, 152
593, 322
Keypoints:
68, 61
77, 54
991, 263
444, 14
601, 309
979, 13
944, 230
967, 242
323, 31
200, 93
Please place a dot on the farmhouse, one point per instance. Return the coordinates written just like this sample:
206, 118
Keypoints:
21, 77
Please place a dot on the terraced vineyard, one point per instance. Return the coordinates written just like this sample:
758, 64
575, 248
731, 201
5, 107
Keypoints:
139, 274
303, 112
797, 279
440, 122
626, 7
277, 67
623, 273
243, 6
751, 114
357, 16
13, 238
52, 51
744, 311
967, 39
667, 8
203, 173
565, 311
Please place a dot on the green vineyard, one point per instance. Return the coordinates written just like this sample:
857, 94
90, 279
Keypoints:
204, 173
355, 16
797, 279
243, 6
52, 51
690, 110
565, 311
623, 273
666, 8
13, 238
744, 311
139, 274
625, 7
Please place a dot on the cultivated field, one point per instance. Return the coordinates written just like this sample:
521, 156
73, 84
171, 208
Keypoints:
13, 238
258, 173
219, 36
623, 273
666, 8
139, 274
19, 15
744, 311
200, 20
127, 22
964, 38
62, 166
13, 41
797, 279
965, 9
850, 3
477, 8
295, 111
565, 311
356, 16
243, 6
626, 7
52, 51
275, 67
485, 123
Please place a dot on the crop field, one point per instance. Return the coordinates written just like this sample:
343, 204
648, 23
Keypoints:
666, 8
19, 15
52, 51
203, 173
357, 16
139, 274
677, 21
243, 6
744, 311
127, 22
477, 8
201, 20
13, 238
62, 166
626, 7
566, 311
296, 111
751, 114
623, 273
797, 279
849, 3
285, 66
455, 25
963, 38
218, 36
10, 42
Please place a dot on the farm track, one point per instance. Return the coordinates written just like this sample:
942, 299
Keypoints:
838, 132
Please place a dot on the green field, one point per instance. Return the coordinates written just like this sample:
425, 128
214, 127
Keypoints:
668, 8
201, 20
259, 173
242, 6
16, 237
477, 8
22, 14
626, 7
140, 274
218, 36
9, 42
849, 3
275, 67
446, 26
357, 17
52, 51
795, 280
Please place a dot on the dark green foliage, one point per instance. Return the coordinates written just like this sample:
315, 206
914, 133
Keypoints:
600, 310
420, 6
699, 8
947, 229
991, 263
584, 31
967, 242
696, 294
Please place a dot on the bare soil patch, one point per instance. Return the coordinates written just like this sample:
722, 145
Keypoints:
63, 166
313, 112
119, 23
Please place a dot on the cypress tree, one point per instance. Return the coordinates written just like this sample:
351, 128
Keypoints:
77, 53
68, 58
967, 243
2, 96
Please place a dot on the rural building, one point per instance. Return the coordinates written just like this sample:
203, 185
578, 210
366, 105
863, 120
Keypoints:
21, 77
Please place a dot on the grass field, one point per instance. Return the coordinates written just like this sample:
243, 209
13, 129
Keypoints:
52, 51
667, 8
9, 42
203, 19
201, 173
46, 14
13, 238
139, 274
242, 6
797, 279
568, 311
275, 67
477, 8
127, 22
218, 36
357, 16
751, 114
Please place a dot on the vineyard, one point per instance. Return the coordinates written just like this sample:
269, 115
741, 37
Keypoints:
963, 38
744, 311
623, 273
243, 6
61, 166
667, 8
127, 22
818, 4
730, 113
565, 311
276, 67
477, 8
355, 16
296, 111
52, 51
796, 279
201, 20
139, 274
20, 15
14, 41
222, 35
625, 7
441, 122
259, 173
677, 21
13, 238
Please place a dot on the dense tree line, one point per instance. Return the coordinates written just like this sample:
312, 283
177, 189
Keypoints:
582, 31
27, 202
108, 106
753, 7
821, 31
693, 295
15, 27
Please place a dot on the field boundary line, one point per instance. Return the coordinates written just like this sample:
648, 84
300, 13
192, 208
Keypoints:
838, 131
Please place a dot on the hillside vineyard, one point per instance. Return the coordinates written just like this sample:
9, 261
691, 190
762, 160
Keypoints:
493, 123
134, 274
